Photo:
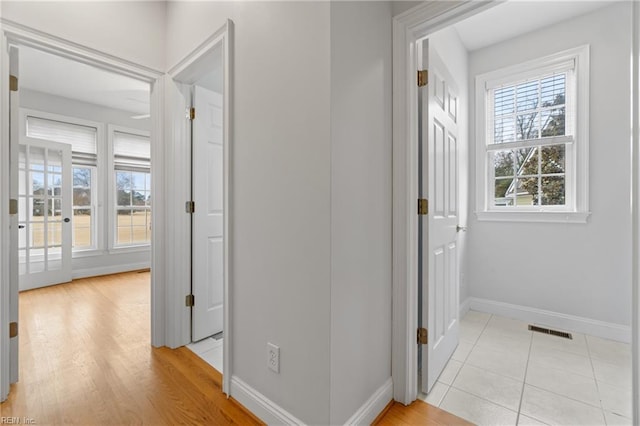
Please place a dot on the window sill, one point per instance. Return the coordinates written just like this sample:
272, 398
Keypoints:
129, 249
533, 216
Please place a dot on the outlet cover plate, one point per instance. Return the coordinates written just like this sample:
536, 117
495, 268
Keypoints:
273, 357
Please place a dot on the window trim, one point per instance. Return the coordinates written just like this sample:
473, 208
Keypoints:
97, 187
111, 198
578, 179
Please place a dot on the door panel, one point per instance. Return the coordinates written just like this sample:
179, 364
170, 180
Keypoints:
439, 243
207, 233
45, 227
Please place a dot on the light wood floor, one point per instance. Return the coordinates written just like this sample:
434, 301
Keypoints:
418, 413
86, 359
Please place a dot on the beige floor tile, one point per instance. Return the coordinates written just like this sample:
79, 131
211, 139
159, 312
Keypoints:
609, 351
511, 364
477, 410
450, 372
561, 360
563, 382
616, 400
493, 387
577, 345
555, 409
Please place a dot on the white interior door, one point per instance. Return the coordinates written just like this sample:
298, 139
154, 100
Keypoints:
44, 213
207, 220
440, 276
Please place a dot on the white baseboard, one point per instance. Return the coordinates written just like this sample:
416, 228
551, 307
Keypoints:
261, 406
564, 322
374, 405
106, 270
464, 307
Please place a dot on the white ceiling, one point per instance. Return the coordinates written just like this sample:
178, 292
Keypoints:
60, 76
515, 17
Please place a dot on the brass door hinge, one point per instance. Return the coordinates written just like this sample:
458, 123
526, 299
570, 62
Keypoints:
189, 301
13, 83
423, 336
13, 329
190, 206
423, 78
13, 206
423, 206
192, 113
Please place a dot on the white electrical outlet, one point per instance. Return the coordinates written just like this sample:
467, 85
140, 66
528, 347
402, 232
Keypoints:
273, 357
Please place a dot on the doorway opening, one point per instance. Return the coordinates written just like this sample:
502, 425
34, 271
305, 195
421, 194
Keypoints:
493, 326
201, 87
79, 174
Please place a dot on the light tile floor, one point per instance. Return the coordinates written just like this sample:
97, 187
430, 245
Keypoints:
210, 350
503, 374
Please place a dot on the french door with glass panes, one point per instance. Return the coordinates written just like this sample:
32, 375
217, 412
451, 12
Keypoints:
44, 213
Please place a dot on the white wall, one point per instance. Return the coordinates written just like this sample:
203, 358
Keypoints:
449, 47
360, 203
575, 269
100, 261
281, 191
132, 30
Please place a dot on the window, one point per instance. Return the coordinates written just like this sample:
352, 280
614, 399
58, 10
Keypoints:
83, 141
532, 140
132, 183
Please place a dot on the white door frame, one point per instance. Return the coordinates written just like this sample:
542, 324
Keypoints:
408, 28
179, 186
15, 34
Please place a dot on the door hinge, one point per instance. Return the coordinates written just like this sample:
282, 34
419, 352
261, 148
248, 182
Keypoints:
13, 206
13, 329
423, 206
191, 113
190, 206
13, 83
423, 336
423, 78
189, 301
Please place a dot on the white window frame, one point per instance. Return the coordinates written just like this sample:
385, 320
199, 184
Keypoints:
113, 247
576, 208
97, 188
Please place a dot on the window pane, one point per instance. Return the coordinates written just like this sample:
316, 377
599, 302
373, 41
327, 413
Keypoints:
553, 191
527, 192
527, 95
138, 180
503, 163
527, 126
553, 159
552, 122
501, 188
82, 228
552, 90
527, 161
504, 130
503, 100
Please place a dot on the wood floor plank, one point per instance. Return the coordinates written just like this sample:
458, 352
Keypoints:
419, 413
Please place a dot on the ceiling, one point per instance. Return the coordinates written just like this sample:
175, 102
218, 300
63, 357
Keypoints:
47, 73
515, 17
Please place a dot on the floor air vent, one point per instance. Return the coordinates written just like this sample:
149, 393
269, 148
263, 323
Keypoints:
552, 332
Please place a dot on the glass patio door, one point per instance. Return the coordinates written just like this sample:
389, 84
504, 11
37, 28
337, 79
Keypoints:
44, 213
